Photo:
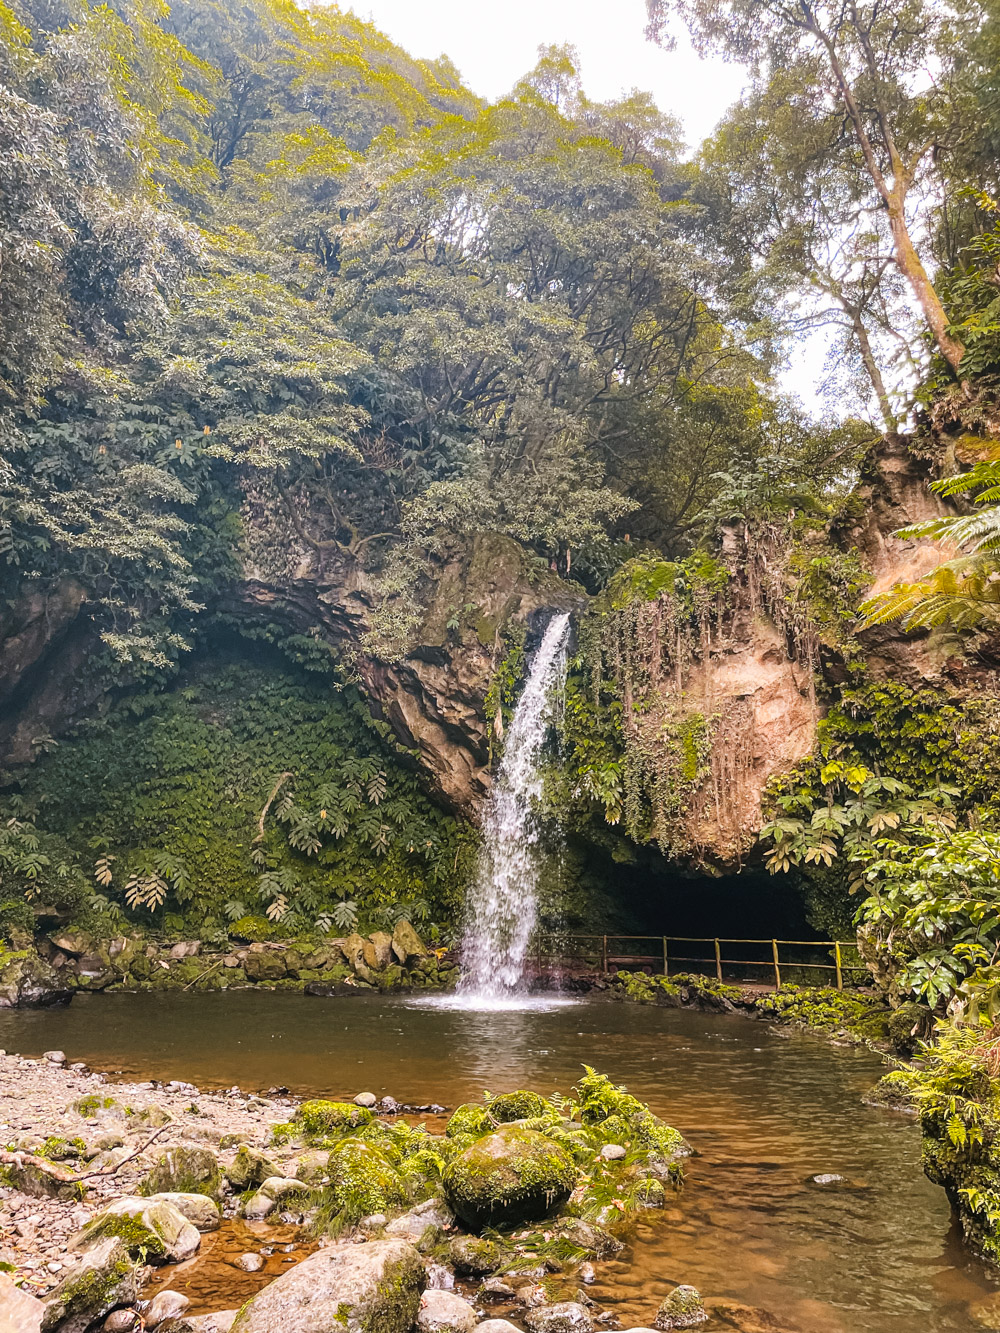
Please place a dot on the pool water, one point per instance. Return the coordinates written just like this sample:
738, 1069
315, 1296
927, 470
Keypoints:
766, 1111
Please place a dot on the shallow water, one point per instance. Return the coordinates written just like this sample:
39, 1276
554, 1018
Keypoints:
765, 1111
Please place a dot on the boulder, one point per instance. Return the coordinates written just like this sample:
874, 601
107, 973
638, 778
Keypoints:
474, 1257
517, 1106
40, 1178
20, 1312
104, 1278
683, 1308
365, 1099
220, 1322
249, 1168
154, 1231
497, 1326
586, 1236
321, 1119
353, 1287
562, 1317
165, 1305
274, 1190
406, 943
269, 966
73, 941
369, 955
382, 946
445, 1312
313, 1167
27, 980
183, 1171
201, 1211
512, 1176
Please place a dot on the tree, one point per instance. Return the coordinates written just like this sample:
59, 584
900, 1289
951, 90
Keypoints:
870, 60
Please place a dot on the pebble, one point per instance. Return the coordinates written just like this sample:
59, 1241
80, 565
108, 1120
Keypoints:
365, 1099
612, 1152
249, 1262
56, 1057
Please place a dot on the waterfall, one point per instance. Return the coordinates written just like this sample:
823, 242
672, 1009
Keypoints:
502, 906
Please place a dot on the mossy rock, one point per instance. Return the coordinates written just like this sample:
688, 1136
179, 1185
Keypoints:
321, 1119
184, 1171
893, 1092
150, 1230
469, 1119
104, 1278
362, 1181
512, 1176
518, 1106
249, 1169
474, 1256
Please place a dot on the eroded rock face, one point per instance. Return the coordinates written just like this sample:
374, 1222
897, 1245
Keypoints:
352, 1288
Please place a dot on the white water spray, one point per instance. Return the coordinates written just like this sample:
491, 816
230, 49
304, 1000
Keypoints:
502, 906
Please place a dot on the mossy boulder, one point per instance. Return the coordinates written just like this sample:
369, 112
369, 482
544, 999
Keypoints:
104, 1278
517, 1106
473, 1256
511, 1176
275, 1191
28, 980
372, 1288
683, 1308
362, 1181
469, 1119
323, 1120
893, 1092
184, 1171
150, 1230
249, 1169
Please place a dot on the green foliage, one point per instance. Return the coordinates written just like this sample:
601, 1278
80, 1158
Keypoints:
170, 791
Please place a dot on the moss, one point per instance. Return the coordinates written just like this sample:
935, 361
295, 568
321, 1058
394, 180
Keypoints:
893, 1092
827, 1010
362, 1181
517, 1106
89, 1106
321, 1119
508, 1177
60, 1150
138, 1239
613, 1108
397, 1300
184, 1171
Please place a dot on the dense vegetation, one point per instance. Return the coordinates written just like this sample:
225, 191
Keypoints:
276, 297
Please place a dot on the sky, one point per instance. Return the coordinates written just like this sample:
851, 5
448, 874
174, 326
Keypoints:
493, 45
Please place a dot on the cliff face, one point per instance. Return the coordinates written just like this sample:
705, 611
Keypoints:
432, 699
753, 677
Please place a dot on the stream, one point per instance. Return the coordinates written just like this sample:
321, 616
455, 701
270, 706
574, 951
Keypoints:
766, 1111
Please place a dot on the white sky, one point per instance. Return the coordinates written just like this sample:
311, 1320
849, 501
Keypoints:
494, 44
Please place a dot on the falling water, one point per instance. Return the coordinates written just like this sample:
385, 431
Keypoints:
502, 907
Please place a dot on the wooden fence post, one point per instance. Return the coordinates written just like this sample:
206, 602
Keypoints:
666, 963
604, 956
836, 954
718, 961
777, 969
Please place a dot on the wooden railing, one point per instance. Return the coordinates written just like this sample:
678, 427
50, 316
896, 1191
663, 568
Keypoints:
603, 954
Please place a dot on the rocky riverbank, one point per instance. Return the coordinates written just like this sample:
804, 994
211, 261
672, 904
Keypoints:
51, 968
353, 1215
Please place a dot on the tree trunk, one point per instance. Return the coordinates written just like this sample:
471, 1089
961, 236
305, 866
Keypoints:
912, 269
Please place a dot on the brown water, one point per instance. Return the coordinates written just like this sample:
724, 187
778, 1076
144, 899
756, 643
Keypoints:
766, 1112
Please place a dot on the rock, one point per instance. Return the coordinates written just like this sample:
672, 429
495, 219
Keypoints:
498, 1288
104, 1278
28, 980
893, 1093
123, 1321
272, 1192
563, 1317
612, 1152
586, 1236
423, 1222
744, 1318
440, 1278
55, 1057
265, 966
474, 1256
376, 1286
522, 1105
445, 1312
382, 946
512, 1176
249, 1168
249, 1262
365, 1099
220, 1322
20, 1312
312, 1167
201, 1211
184, 1171
683, 1308
165, 1305
587, 1274
406, 943
322, 1119
72, 941
41, 1179
827, 1180
497, 1326
156, 1231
